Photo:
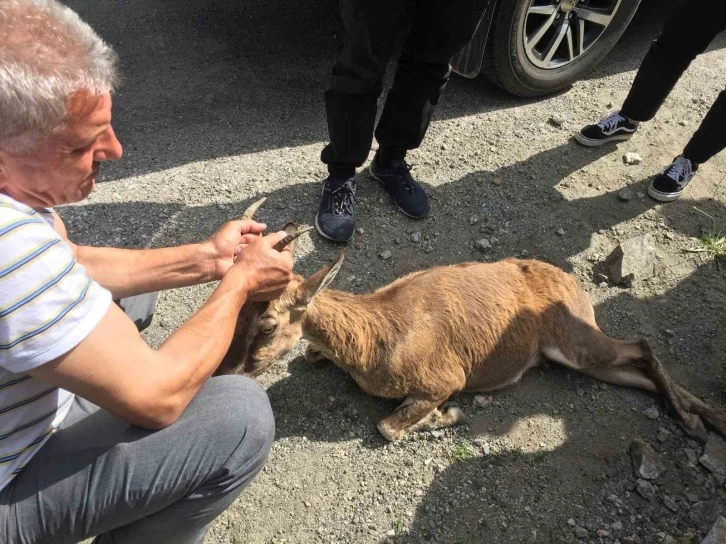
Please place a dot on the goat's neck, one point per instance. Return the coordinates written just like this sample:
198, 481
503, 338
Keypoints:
352, 328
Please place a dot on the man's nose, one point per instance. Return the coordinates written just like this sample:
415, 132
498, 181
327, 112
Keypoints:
110, 148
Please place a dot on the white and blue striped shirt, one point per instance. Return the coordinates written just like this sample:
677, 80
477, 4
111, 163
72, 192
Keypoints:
48, 305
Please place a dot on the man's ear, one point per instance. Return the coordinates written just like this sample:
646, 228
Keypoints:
310, 288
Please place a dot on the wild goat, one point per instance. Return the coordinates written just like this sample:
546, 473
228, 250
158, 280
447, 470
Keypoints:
467, 327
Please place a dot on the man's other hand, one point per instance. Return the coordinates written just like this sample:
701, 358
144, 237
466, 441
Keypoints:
266, 270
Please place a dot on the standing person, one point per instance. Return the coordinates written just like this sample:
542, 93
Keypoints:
101, 435
437, 30
687, 32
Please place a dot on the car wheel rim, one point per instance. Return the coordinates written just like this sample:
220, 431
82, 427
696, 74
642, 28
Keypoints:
558, 32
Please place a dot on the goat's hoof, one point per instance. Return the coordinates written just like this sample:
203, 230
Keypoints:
697, 429
453, 414
389, 433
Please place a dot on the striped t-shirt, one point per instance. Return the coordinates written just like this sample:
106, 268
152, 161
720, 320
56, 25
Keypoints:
48, 305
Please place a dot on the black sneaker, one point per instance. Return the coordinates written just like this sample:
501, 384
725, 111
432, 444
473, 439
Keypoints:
335, 219
613, 128
397, 180
671, 182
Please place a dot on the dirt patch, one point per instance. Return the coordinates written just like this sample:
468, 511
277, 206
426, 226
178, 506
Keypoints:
222, 102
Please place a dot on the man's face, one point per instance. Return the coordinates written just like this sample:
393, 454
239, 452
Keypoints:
64, 168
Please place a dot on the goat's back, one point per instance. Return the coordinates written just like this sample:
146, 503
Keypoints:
476, 312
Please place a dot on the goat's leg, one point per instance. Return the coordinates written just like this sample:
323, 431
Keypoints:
313, 354
417, 414
631, 363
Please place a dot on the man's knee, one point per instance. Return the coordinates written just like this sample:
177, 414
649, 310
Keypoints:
139, 308
242, 416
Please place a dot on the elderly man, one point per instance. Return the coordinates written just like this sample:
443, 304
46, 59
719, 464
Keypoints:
100, 435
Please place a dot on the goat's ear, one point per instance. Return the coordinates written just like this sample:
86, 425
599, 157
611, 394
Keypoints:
318, 281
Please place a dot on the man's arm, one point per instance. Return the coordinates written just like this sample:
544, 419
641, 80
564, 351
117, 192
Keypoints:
128, 272
115, 369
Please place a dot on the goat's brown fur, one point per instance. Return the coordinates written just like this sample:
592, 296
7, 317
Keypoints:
467, 327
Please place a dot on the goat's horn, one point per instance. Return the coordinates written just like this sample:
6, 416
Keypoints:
252, 210
279, 246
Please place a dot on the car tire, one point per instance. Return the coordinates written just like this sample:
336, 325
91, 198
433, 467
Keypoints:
509, 66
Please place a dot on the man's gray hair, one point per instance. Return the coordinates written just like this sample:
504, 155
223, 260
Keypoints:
47, 54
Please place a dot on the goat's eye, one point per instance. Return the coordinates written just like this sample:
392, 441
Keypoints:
268, 326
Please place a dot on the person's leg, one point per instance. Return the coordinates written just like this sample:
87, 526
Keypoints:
439, 31
687, 32
372, 28
99, 475
139, 308
710, 138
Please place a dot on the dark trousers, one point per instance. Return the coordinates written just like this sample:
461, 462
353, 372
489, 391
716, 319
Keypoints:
436, 30
687, 32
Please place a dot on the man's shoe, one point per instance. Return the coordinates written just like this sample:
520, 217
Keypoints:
397, 180
613, 128
670, 184
335, 219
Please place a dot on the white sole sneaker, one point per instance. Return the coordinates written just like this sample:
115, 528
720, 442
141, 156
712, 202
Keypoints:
663, 197
595, 143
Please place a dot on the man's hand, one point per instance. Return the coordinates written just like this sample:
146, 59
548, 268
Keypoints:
266, 270
226, 244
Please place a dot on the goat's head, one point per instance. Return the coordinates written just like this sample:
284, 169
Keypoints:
266, 331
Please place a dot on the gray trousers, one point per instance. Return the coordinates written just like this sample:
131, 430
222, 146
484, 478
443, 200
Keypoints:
100, 476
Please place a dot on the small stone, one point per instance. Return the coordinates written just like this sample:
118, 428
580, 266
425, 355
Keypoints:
692, 497
580, 532
360, 230
645, 489
397, 241
683, 123
640, 194
625, 194
436, 434
571, 522
631, 158
651, 413
717, 534
670, 504
714, 456
524, 253
646, 463
390, 532
560, 231
473, 220
602, 533
556, 121
483, 244
692, 455
416, 237
705, 513
663, 434
632, 260
307, 504
497, 181
617, 526
386, 255
480, 401
609, 105
670, 333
